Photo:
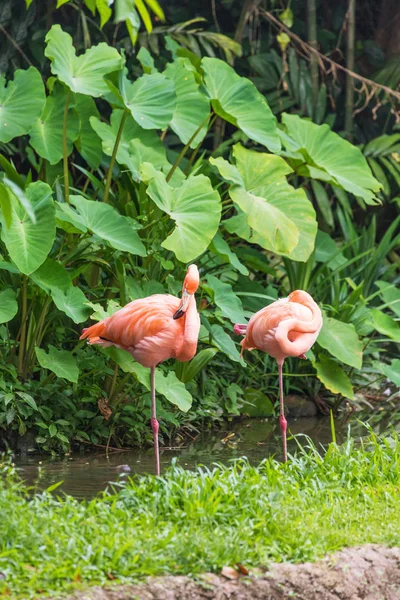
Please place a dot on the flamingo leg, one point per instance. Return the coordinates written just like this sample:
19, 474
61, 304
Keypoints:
154, 422
282, 419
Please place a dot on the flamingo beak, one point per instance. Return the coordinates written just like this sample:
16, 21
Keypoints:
183, 305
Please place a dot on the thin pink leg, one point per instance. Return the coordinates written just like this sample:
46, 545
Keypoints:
154, 422
282, 420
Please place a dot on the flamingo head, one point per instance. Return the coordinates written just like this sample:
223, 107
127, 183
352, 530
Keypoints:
189, 288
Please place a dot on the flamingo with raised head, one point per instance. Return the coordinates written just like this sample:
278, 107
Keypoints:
287, 327
152, 330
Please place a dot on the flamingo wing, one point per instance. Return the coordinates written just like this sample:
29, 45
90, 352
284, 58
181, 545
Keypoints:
144, 327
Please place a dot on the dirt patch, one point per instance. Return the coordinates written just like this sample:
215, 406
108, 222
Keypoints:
367, 573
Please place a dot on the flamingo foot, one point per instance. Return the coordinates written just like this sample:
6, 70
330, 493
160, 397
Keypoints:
302, 356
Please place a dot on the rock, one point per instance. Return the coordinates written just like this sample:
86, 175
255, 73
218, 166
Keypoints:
124, 468
299, 406
369, 572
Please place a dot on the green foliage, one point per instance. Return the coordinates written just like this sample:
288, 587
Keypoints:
194, 206
46, 133
60, 362
244, 514
112, 181
328, 157
28, 242
82, 74
21, 102
151, 100
231, 97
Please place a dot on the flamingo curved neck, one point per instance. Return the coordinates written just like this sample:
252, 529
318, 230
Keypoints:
191, 331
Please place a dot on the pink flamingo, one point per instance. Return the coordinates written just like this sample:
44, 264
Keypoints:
152, 330
287, 327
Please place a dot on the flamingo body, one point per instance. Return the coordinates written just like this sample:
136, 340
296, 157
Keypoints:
153, 329
287, 327
146, 328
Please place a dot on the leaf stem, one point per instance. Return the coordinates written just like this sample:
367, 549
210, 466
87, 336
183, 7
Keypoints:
37, 337
113, 156
24, 293
186, 148
65, 148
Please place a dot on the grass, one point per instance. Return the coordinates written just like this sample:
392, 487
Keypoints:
191, 522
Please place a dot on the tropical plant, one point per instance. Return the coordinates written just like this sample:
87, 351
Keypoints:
109, 187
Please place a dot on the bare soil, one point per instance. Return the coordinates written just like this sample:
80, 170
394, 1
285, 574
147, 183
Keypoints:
369, 572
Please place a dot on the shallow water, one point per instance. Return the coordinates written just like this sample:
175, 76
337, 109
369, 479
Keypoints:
87, 473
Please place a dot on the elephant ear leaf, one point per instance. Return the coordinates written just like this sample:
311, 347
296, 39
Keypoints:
29, 243
83, 74
21, 102
271, 212
194, 206
46, 135
151, 99
237, 100
192, 106
60, 362
330, 157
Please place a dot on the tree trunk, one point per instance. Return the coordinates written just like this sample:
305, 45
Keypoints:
351, 29
312, 40
387, 32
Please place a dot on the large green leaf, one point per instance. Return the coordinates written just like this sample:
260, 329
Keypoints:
68, 219
390, 294
273, 214
257, 169
55, 280
391, 371
194, 206
192, 107
60, 362
52, 275
46, 134
221, 247
385, 324
237, 100
256, 404
225, 343
333, 377
278, 231
342, 341
173, 390
136, 146
82, 74
21, 102
151, 99
88, 142
330, 157
9, 190
226, 300
29, 243
103, 220
8, 305
167, 385
72, 302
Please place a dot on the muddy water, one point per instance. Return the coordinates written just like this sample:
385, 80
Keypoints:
87, 473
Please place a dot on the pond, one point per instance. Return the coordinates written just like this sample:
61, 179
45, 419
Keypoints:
87, 473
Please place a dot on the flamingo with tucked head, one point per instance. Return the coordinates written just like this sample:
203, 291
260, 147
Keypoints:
152, 330
287, 327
